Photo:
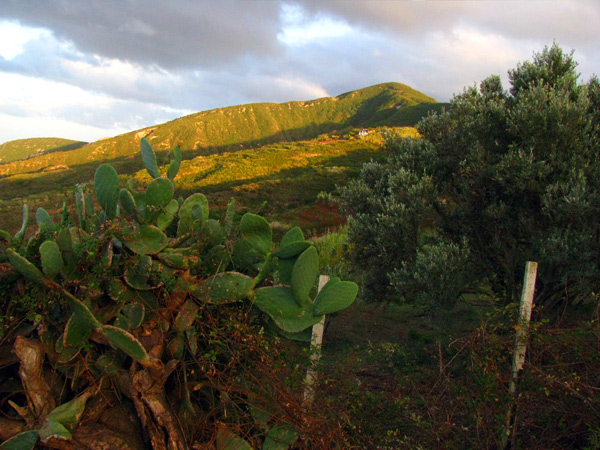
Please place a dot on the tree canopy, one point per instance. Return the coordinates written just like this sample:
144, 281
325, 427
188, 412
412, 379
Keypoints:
499, 178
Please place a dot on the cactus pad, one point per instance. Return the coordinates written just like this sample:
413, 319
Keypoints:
69, 413
55, 430
127, 202
122, 340
84, 314
52, 261
280, 437
43, 220
167, 215
175, 163
149, 158
293, 235
335, 296
188, 219
28, 270
158, 195
257, 232
134, 312
224, 288
294, 249
77, 331
21, 233
304, 275
146, 240
22, 441
278, 302
106, 184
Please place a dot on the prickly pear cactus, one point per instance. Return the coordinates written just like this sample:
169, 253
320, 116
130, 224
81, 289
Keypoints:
143, 298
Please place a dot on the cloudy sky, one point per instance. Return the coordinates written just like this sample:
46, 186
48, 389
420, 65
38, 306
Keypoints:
86, 69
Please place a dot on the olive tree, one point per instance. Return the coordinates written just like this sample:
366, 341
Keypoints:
499, 178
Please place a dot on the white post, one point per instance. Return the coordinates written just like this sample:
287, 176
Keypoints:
315, 356
521, 338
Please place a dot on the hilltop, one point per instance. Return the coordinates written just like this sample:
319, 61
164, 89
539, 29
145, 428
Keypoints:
22, 149
223, 130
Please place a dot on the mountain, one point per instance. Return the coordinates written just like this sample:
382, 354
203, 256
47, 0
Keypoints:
222, 130
29, 148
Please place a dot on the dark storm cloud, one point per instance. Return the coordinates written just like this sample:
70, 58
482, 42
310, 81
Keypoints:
172, 34
140, 62
238, 40
521, 19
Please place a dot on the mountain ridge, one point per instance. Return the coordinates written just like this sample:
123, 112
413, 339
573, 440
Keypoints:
235, 128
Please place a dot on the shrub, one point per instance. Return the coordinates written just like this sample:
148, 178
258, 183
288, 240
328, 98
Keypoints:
498, 179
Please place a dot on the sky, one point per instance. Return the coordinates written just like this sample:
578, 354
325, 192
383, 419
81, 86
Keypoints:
88, 69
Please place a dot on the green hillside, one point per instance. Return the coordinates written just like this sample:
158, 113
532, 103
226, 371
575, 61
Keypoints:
28, 148
228, 129
281, 179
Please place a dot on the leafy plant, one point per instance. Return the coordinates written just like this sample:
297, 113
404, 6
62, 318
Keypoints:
145, 291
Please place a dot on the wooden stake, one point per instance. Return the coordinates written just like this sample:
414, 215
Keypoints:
521, 338
315, 345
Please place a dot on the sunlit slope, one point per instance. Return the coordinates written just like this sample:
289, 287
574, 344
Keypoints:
28, 148
274, 179
238, 127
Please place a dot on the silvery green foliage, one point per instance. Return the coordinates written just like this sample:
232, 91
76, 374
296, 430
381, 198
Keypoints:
499, 178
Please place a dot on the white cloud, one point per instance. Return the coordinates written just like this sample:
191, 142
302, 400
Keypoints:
20, 127
14, 37
469, 46
123, 79
174, 35
290, 88
468, 55
300, 29
41, 97
74, 112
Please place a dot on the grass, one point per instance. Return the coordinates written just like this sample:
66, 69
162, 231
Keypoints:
332, 247
393, 378
281, 181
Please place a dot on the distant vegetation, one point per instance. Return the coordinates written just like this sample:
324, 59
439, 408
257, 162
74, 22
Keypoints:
22, 149
281, 180
226, 130
264, 134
